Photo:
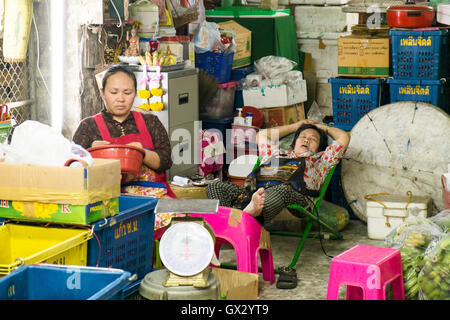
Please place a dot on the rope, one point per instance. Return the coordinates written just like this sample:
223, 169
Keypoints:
370, 198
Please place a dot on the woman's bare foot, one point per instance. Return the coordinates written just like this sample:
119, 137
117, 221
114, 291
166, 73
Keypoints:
256, 205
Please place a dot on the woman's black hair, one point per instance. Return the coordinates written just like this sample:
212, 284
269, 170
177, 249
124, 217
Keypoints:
323, 142
116, 69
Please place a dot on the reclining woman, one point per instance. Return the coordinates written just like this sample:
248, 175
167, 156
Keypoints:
118, 124
285, 176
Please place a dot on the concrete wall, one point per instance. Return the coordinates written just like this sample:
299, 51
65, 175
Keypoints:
80, 90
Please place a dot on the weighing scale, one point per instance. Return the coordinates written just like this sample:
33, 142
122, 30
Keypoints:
187, 246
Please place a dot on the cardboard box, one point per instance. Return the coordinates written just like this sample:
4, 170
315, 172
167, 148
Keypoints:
59, 213
362, 56
274, 117
237, 285
243, 39
275, 95
62, 185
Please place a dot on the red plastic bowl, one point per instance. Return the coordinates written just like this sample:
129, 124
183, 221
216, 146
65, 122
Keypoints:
410, 16
130, 158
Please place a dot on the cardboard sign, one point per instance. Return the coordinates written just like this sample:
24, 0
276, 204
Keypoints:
364, 56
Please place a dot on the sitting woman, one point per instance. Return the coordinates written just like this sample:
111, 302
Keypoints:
285, 177
117, 124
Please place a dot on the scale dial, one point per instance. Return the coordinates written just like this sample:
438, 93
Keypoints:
186, 248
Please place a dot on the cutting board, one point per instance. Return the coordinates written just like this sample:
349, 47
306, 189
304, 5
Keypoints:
399, 147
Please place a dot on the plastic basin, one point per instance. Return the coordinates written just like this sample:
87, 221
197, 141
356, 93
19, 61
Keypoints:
130, 158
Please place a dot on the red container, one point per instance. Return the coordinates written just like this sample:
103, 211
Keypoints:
410, 16
130, 158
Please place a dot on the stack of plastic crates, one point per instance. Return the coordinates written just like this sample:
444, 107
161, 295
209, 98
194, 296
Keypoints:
125, 241
421, 67
353, 98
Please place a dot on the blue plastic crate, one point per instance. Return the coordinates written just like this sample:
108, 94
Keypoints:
60, 282
126, 240
237, 75
420, 54
354, 97
436, 92
217, 64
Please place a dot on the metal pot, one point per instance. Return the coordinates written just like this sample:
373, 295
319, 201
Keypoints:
410, 16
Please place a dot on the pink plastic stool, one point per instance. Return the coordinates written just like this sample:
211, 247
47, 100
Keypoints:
366, 270
243, 232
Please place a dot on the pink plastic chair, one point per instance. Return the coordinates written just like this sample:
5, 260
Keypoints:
243, 232
366, 270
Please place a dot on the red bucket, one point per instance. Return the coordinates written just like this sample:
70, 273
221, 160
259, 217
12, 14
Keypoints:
130, 158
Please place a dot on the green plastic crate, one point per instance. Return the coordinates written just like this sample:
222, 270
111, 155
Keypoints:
241, 11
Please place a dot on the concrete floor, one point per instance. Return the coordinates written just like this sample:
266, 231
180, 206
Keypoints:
313, 265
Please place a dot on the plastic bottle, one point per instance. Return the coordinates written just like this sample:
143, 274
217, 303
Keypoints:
239, 120
249, 119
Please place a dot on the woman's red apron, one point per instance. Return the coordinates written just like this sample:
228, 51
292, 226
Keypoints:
143, 137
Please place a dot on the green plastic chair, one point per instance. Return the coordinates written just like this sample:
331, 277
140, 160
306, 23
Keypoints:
311, 214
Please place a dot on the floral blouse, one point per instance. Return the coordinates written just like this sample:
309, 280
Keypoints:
317, 164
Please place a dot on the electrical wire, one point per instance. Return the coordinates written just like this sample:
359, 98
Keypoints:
38, 56
318, 217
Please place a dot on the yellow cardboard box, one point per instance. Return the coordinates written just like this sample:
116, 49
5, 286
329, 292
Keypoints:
62, 185
364, 56
243, 39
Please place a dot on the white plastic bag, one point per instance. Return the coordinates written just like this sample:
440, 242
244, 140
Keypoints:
273, 67
207, 37
36, 143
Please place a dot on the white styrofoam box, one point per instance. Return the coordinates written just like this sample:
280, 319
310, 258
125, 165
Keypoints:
323, 19
324, 54
323, 96
276, 95
443, 13
319, 2
378, 217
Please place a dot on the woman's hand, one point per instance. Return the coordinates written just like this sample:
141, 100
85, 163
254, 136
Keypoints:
302, 122
136, 144
99, 143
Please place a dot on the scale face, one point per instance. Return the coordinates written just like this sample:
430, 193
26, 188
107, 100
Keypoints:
186, 248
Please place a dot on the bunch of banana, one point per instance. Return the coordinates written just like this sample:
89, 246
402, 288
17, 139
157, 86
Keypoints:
168, 59
149, 59
412, 262
434, 278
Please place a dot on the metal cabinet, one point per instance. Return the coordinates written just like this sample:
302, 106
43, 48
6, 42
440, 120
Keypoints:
179, 116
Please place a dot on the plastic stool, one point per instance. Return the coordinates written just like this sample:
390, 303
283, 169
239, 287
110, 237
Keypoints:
246, 235
366, 270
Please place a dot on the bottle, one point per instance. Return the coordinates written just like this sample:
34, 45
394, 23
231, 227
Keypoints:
249, 119
239, 120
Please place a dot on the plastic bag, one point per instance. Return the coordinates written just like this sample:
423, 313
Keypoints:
207, 37
36, 143
273, 67
442, 219
434, 278
412, 239
314, 112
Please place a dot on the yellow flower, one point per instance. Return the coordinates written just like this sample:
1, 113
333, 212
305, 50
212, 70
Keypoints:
156, 106
144, 94
144, 106
157, 92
